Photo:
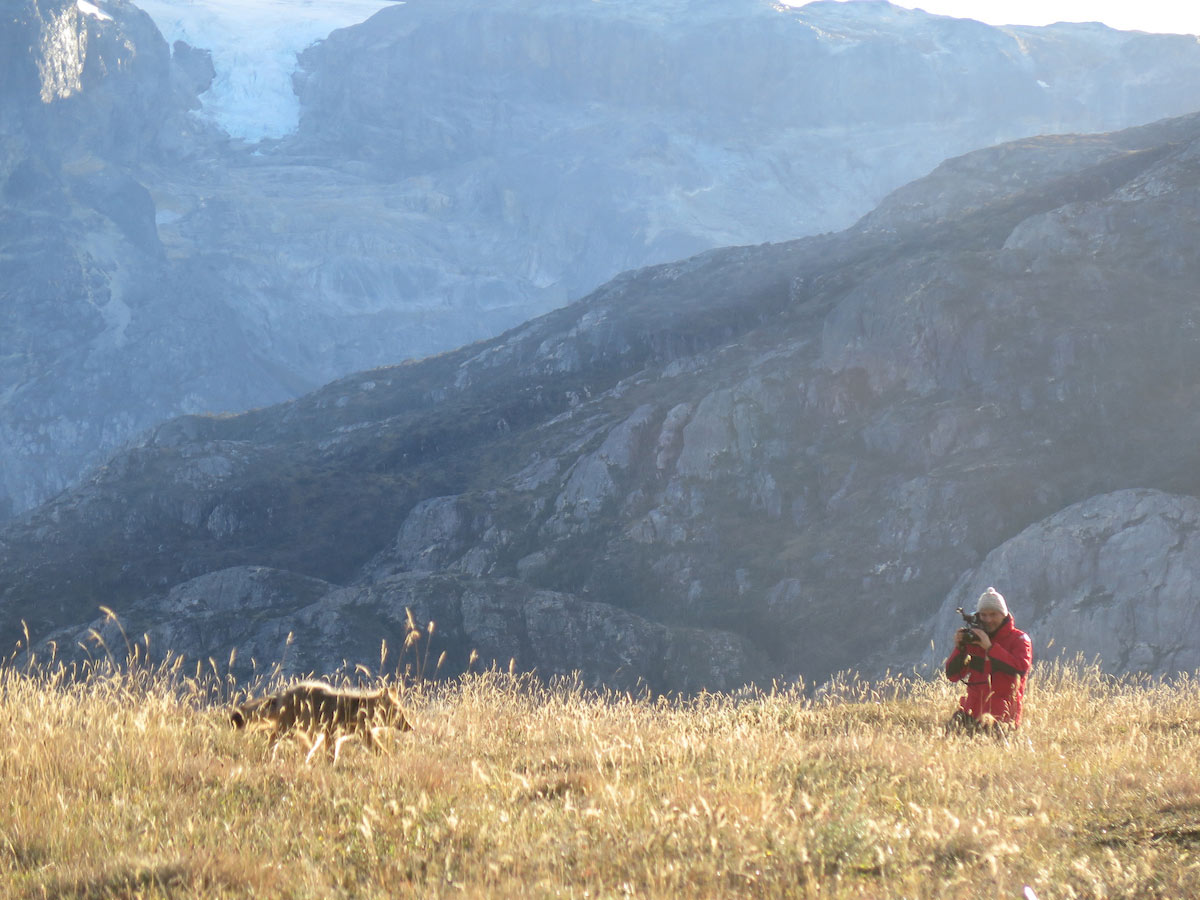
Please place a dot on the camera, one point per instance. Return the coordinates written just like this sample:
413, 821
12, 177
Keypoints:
973, 621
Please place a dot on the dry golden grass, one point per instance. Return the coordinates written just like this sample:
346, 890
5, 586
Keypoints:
136, 786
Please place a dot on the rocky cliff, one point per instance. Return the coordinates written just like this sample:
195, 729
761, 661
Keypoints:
103, 331
785, 459
460, 167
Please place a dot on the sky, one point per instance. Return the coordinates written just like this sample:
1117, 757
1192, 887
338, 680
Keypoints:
1165, 16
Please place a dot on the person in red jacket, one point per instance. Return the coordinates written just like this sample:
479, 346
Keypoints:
995, 661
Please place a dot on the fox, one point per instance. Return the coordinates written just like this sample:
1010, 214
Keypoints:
315, 706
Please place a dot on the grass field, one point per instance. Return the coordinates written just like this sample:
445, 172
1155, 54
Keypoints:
121, 785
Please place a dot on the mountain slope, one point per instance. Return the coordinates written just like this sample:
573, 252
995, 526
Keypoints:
459, 168
796, 448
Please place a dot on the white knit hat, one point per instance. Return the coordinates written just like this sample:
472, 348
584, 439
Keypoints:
992, 599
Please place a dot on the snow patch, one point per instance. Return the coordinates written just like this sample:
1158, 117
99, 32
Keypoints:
91, 9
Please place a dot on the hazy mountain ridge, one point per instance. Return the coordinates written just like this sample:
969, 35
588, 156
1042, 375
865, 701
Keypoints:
783, 459
496, 172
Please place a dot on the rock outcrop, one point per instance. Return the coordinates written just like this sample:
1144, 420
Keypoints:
1112, 579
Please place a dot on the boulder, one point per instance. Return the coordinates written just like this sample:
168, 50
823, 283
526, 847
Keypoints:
1112, 580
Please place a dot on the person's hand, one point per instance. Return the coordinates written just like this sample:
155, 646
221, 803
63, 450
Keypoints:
984, 641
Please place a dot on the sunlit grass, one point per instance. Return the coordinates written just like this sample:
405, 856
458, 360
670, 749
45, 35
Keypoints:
124, 784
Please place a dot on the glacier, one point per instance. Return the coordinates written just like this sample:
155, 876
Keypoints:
254, 45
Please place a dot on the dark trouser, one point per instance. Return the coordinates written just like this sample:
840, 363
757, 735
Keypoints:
963, 722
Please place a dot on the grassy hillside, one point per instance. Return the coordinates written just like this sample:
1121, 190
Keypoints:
136, 786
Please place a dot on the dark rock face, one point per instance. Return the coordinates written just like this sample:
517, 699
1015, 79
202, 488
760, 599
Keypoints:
461, 167
783, 456
76, 81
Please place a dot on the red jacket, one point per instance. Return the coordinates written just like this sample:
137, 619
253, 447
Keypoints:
995, 677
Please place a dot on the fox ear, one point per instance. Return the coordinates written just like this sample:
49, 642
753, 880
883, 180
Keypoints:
237, 718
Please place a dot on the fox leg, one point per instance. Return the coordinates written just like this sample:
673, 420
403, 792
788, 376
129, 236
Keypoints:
315, 746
